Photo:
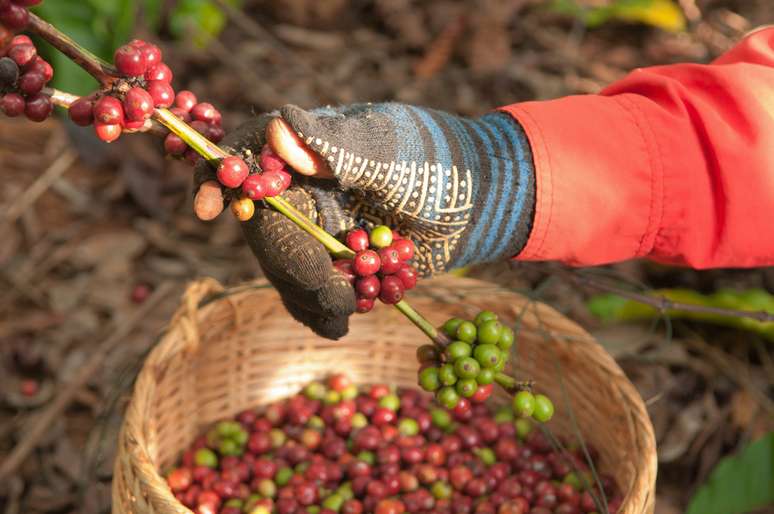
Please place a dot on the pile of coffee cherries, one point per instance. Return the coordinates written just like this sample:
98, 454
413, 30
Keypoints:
23, 75
380, 268
336, 449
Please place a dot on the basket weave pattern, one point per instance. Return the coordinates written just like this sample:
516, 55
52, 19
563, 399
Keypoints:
242, 350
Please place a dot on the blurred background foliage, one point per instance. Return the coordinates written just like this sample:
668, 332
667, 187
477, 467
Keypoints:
101, 26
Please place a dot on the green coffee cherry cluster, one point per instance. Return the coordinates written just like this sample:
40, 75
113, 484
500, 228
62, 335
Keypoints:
478, 352
229, 437
537, 406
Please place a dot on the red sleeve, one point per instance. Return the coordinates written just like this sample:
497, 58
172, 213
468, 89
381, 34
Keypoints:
674, 163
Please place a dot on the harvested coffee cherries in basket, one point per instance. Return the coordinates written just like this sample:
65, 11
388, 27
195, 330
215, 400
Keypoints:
334, 448
23, 75
380, 268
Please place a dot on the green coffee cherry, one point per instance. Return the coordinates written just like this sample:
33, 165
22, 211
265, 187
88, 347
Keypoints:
544, 408
489, 332
448, 397
359, 420
503, 415
427, 353
206, 457
485, 376
524, 403
408, 426
227, 428
458, 350
467, 332
466, 367
333, 502
450, 327
487, 355
447, 375
283, 476
315, 391
506, 339
487, 455
523, 427
440, 418
428, 379
441, 490
390, 401
483, 316
466, 387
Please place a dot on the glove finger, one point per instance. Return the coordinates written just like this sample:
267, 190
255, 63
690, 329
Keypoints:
333, 327
335, 298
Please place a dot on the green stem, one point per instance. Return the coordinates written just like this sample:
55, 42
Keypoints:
439, 338
511, 385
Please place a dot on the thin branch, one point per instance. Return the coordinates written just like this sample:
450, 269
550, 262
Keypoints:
96, 67
663, 304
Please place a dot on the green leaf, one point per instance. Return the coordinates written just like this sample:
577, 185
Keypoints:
739, 483
664, 14
613, 308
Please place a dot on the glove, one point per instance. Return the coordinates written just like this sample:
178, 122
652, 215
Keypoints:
462, 189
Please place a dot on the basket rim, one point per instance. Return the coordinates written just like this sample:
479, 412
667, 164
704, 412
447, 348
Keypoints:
202, 296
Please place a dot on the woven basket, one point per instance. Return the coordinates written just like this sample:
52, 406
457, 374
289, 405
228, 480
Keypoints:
226, 351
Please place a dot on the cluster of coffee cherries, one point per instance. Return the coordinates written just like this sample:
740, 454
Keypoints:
380, 268
334, 448
145, 85
468, 366
14, 14
272, 178
23, 75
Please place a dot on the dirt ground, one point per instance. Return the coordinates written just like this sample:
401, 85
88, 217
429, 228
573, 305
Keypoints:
90, 230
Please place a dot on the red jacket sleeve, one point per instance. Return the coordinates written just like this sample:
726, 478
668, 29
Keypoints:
674, 163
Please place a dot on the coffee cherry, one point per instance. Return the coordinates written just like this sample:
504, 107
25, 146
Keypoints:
405, 248
269, 161
138, 104
458, 350
364, 305
23, 54
273, 183
82, 111
40, 65
488, 355
484, 316
544, 408
482, 394
427, 353
390, 258
199, 126
447, 375
19, 39
243, 209
392, 290
107, 132
185, 100
489, 332
344, 266
524, 403
466, 331
232, 171
366, 262
381, 237
38, 107
216, 135
368, 287
253, 187
180, 113
466, 387
159, 72
130, 61
12, 105
109, 111
428, 379
174, 145
14, 17
9, 72
450, 327
506, 339
151, 51
162, 93
205, 112
357, 240
466, 367
485, 376
448, 397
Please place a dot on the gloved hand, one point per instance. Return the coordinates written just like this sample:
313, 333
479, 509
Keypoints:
462, 189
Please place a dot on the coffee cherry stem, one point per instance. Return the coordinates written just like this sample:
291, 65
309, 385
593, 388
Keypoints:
511, 385
104, 73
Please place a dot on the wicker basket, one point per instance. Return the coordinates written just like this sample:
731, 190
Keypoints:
226, 351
